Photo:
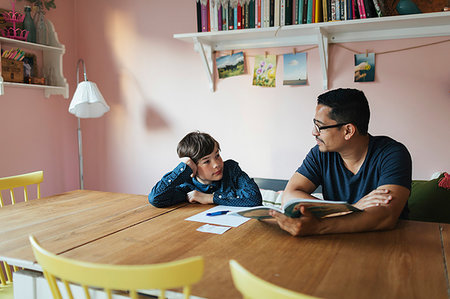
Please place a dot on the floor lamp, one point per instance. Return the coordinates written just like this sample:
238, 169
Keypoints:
87, 102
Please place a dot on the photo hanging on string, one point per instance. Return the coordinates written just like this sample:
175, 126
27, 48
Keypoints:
365, 67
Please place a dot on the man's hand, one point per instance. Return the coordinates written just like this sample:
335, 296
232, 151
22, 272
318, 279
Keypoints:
375, 198
197, 196
188, 161
306, 225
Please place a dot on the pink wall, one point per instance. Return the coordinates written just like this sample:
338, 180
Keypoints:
38, 133
158, 91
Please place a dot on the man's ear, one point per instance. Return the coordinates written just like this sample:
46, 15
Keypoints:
349, 130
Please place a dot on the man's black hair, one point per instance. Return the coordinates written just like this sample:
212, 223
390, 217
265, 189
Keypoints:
347, 106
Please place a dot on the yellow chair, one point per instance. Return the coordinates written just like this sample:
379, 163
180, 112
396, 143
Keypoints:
182, 273
21, 180
9, 183
253, 287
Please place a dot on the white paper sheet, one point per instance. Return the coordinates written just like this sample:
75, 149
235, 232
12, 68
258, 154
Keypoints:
226, 220
213, 229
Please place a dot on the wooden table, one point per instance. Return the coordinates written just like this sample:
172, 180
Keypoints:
68, 220
407, 262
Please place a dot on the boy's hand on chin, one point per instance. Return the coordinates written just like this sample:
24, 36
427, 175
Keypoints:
197, 196
188, 161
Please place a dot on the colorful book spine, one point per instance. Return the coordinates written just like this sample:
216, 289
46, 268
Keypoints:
310, 12
198, 12
294, 12
362, 12
282, 12
219, 18
377, 6
288, 12
225, 17
333, 10
349, 13
272, 13
300, 11
230, 17
305, 11
318, 14
251, 16
258, 14
337, 8
239, 16
276, 21
324, 11
204, 18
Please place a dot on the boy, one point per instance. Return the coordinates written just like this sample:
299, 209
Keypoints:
207, 179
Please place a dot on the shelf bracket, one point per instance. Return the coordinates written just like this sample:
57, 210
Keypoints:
206, 54
323, 38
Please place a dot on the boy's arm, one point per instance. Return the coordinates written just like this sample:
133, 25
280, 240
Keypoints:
239, 189
166, 192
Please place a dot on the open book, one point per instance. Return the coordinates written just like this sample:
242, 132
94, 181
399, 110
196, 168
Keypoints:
320, 208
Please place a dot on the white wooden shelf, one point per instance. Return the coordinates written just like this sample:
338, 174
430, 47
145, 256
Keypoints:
321, 34
52, 55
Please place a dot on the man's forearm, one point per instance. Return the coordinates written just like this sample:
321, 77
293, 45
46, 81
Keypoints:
371, 219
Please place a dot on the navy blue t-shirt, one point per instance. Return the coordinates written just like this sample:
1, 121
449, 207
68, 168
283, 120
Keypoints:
387, 162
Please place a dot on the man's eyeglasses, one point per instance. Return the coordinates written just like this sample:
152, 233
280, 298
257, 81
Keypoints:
317, 128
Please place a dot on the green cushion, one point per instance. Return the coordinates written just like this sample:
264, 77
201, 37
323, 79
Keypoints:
429, 202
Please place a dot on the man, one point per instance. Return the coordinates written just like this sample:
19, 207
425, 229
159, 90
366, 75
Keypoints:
372, 173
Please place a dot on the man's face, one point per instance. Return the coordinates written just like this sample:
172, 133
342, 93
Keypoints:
328, 139
210, 167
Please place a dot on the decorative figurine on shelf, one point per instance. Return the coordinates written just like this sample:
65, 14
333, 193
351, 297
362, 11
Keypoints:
14, 17
407, 7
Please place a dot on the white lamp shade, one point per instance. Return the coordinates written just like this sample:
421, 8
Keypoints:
88, 102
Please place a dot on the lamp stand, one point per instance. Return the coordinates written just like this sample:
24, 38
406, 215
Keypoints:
80, 155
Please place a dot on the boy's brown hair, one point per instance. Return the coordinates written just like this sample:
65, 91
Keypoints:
196, 145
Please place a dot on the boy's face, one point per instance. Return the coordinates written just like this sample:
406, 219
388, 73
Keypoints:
210, 167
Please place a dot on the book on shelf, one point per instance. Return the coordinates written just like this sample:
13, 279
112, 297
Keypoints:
276, 17
204, 17
199, 16
309, 13
282, 12
238, 16
219, 17
369, 9
324, 11
271, 13
318, 12
288, 12
305, 11
300, 12
361, 9
258, 14
319, 208
230, 17
294, 12
251, 14
225, 17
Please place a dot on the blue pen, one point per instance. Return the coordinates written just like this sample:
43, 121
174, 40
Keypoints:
217, 213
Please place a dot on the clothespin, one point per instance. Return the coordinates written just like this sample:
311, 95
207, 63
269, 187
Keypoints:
232, 52
265, 54
295, 52
367, 52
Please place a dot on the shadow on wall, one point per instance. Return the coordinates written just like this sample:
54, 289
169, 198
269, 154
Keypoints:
153, 120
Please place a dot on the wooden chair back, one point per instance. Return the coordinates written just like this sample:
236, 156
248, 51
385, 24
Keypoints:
182, 273
21, 180
253, 287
